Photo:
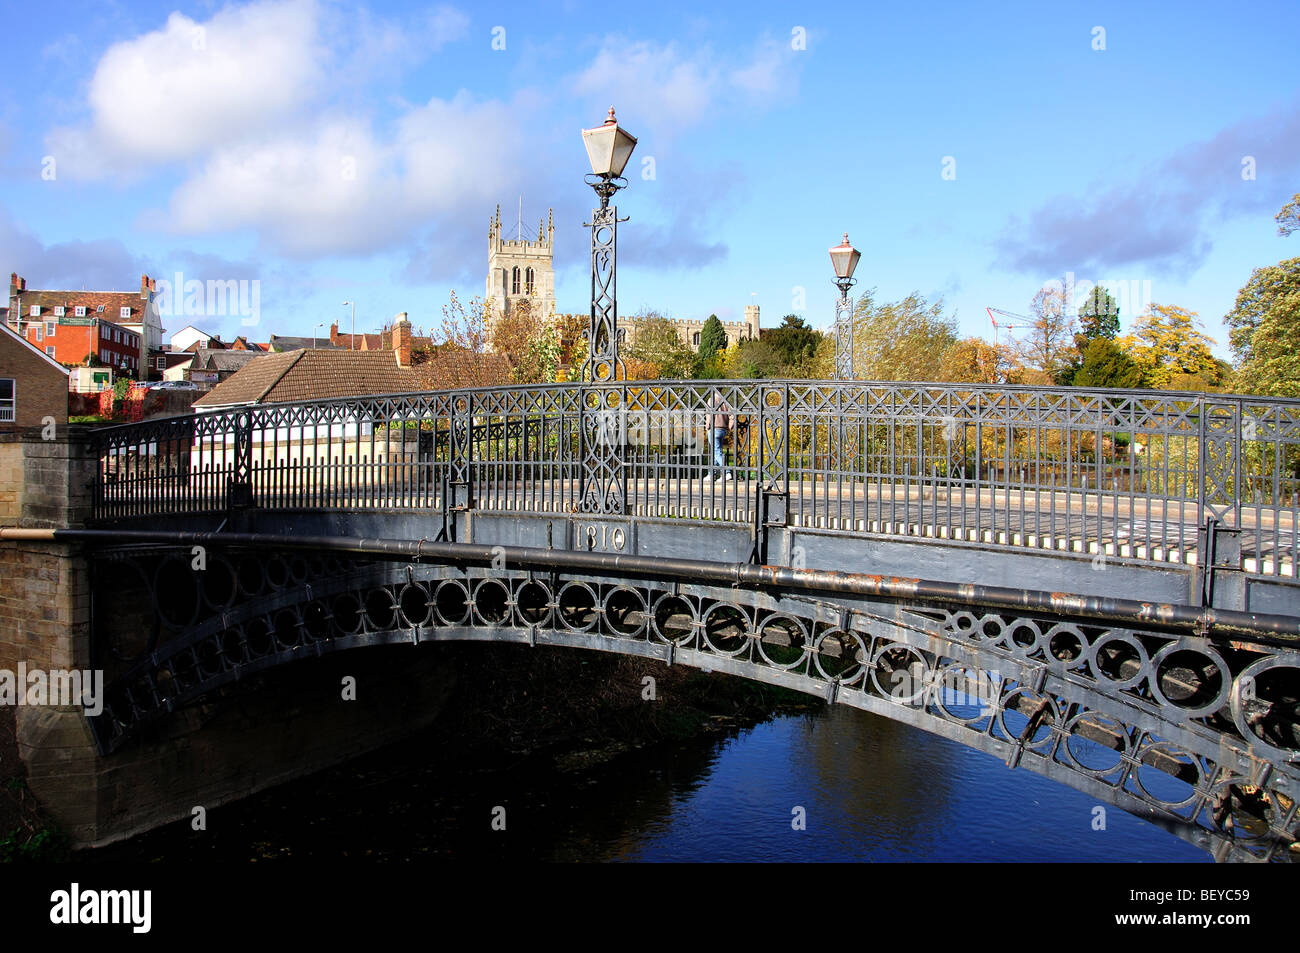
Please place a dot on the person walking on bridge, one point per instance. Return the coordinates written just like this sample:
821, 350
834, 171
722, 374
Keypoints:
723, 421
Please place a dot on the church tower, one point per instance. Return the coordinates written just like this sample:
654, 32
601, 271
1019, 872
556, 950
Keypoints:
520, 270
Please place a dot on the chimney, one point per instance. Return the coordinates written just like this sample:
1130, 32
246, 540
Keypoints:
144, 286
402, 340
334, 333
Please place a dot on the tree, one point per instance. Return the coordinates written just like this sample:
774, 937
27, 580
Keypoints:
1103, 363
1099, 316
712, 340
794, 342
529, 343
1048, 350
572, 329
1288, 219
657, 350
1265, 331
747, 360
1165, 342
465, 328
975, 361
901, 341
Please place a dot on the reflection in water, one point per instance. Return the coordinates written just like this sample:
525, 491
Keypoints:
872, 789
879, 790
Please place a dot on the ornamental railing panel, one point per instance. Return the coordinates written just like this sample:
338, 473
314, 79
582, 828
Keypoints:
1132, 474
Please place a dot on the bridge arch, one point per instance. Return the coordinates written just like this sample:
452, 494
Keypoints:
1184, 732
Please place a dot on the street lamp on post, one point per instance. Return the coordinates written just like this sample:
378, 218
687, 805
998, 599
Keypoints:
844, 259
353, 339
609, 146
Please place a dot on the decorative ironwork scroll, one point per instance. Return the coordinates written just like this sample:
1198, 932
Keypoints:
844, 337
603, 364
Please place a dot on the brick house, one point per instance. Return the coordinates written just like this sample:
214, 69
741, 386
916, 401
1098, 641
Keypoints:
114, 328
33, 385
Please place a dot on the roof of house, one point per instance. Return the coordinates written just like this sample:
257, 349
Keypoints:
112, 302
319, 374
33, 348
280, 342
211, 359
360, 342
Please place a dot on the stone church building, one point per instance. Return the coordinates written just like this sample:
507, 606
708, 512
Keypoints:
522, 270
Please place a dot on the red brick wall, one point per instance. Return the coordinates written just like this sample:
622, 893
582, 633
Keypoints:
40, 389
73, 343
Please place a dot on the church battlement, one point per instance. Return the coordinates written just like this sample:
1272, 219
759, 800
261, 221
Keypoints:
523, 270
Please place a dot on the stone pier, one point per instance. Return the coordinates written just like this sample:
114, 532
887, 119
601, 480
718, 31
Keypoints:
274, 728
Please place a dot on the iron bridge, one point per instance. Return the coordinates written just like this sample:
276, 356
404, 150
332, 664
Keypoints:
1098, 586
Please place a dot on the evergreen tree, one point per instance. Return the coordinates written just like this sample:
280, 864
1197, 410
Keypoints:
712, 340
1103, 363
794, 342
1099, 316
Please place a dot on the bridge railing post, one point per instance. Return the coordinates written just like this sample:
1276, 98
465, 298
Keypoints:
461, 454
239, 483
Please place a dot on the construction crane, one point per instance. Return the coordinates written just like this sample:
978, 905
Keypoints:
1020, 317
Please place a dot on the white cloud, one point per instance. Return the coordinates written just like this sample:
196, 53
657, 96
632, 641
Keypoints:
190, 87
655, 83
266, 113
666, 88
340, 189
443, 25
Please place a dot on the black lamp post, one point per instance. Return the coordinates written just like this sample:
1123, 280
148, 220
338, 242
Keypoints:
609, 146
844, 259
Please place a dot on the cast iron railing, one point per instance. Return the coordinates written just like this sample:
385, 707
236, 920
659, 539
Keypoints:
1126, 473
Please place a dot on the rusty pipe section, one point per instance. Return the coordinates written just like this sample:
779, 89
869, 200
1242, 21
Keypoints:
1255, 627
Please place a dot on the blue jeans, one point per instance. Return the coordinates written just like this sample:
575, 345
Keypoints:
719, 457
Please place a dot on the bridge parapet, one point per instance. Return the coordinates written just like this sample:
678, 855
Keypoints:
1132, 475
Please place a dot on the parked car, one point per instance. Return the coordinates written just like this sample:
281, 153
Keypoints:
173, 385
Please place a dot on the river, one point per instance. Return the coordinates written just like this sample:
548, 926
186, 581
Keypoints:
865, 788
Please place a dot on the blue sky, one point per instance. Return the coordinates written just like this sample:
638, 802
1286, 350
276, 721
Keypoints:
332, 151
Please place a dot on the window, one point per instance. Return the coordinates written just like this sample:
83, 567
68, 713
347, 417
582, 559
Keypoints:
79, 311
514, 282
103, 355
100, 309
695, 339
162, 364
528, 280
50, 350
49, 328
6, 399
40, 332
35, 311
58, 310
125, 312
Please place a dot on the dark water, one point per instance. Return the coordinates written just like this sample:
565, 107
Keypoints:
870, 789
